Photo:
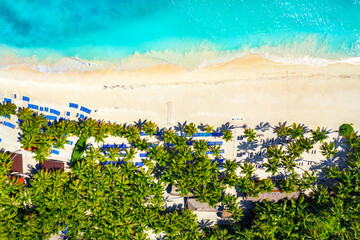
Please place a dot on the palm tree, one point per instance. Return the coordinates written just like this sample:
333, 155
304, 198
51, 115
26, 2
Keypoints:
169, 135
215, 150
294, 149
89, 127
352, 140
132, 133
129, 154
29, 141
200, 146
272, 165
250, 134
296, 131
60, 141
282, 130
230, 166
142, 144
227, 135
150, 128
113, 154
288, 185
25, 113
320, 194
275, 151
266, 185
318, 135
62, 128
248, 169
28, 127
328, 150
5, 163
41, 154
305, 143
288, 163
190, 129
306, 181
208, 128
180, 141
45, 141
7, 109
254, 189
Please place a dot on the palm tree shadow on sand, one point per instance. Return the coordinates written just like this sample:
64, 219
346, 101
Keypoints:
140, 123
263, 127
180, 127
226, 126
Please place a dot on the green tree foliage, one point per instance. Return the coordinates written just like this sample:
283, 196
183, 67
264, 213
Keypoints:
227, 135
345, 130
296, 131
7, 109
250, 134
328, 150
96, 200
208, 128
282, 130
318, 135
190, 129
150, 128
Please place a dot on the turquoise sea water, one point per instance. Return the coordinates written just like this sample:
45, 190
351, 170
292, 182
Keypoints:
183, 32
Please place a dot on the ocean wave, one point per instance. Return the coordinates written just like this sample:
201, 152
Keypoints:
206, 56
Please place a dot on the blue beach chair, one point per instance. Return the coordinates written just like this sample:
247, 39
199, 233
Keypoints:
143, 154
139, 164
74, 105
56, 152
26, 99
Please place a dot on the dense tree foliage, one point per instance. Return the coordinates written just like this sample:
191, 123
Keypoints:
106, 196
346, 129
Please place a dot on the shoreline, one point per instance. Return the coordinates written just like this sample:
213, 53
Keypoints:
251, 87
190, 62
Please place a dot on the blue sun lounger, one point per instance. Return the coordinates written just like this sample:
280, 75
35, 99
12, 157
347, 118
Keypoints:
7, 124
56, 152
213, 143
74, 105
68, 114
6, 100
139, 164
46, 109
26, 99
53, 111
69, 142
84, 109
220, 161
144, 154
33, 106
50, 117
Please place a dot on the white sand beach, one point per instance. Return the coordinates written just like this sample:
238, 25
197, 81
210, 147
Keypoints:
250, 87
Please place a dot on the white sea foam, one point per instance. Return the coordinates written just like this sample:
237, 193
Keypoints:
191, 61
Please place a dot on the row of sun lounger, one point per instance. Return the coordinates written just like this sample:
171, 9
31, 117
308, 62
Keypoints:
138, 164
108, 146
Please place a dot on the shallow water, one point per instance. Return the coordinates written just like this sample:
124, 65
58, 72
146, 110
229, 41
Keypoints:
190, 33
